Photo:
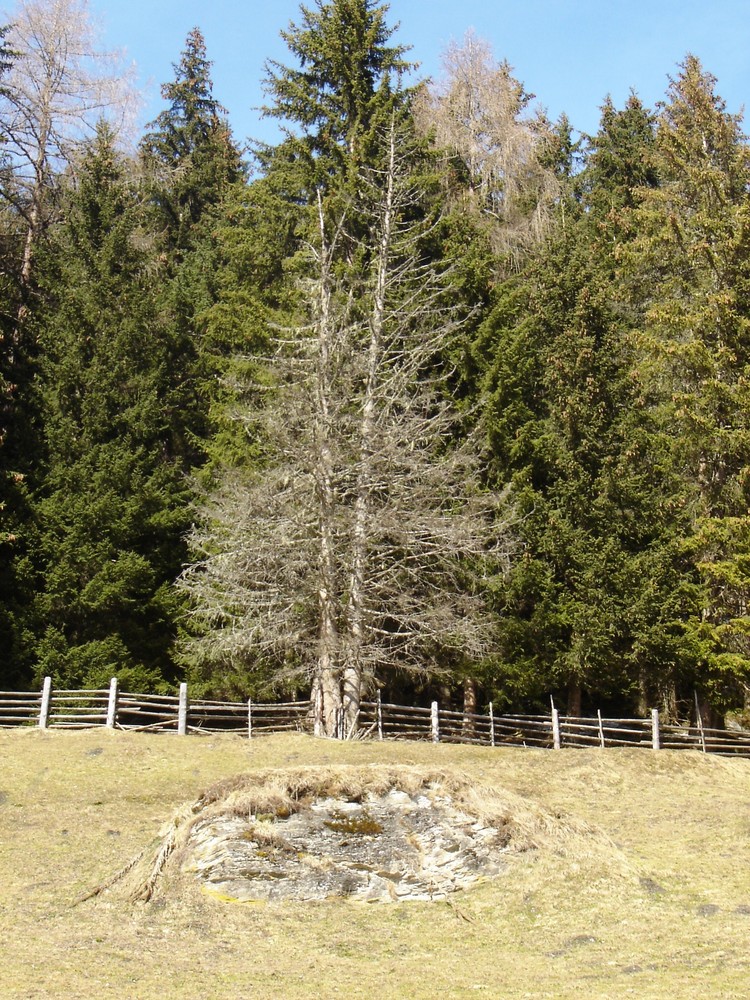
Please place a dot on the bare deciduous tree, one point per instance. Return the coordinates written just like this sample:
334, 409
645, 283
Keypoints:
361, 544
59, 86
477, 113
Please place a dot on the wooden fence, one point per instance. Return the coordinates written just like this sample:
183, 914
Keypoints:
110, 707
551, 731
115, 709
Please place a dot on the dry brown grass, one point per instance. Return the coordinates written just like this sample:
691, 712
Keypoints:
638, 885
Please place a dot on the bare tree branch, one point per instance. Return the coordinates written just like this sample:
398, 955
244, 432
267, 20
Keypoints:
478, 114
364, 543
60, 85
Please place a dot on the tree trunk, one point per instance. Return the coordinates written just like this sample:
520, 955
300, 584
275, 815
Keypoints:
575, 694
470, 705
708, 716
355, 611
327, 669
668, 700
33, 228
642, 702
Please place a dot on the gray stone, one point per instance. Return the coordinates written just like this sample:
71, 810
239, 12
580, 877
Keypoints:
393, 847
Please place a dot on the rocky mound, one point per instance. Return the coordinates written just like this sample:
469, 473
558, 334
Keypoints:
369, 833
392, 845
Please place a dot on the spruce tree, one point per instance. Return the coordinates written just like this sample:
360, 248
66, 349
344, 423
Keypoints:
621, 159
344, 88
189, 149
112, 507
345, 552
688, 270
194, 172
19, 452
558, 357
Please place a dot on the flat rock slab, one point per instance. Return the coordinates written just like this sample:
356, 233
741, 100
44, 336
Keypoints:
395, 846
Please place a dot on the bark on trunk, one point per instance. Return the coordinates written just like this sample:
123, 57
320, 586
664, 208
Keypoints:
34, 216
643, 705
327, 670
709, 717
668, 700
575, 695
470, 706
353, 670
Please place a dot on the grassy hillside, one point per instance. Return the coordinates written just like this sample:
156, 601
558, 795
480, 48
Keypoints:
662, 912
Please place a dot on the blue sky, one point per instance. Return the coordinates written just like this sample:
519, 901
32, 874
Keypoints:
570, 53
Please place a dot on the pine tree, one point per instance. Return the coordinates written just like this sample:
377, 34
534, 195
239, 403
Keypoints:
112, 507
17, 433
56, 83
338, 556
344, 89
190, 149
352, 549
558, 356
689, 270
621, 159
194, 171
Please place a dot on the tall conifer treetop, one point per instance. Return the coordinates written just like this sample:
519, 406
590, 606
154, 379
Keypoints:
192, 143
348, 75
697, 135
621, 157
193, 111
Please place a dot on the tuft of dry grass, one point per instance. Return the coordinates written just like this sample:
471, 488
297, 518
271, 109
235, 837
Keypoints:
637, 883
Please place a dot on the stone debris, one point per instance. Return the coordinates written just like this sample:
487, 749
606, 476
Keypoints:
390, 847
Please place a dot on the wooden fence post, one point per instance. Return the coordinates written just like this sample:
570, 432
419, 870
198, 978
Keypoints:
435, 722
249, 718
182, 711
556, 741
601, 729
655, 736
379, 710
46, 699
112, 704
492, 727
699, 722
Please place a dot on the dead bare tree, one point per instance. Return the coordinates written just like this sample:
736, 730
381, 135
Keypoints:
479, 113
361, 544
59, 86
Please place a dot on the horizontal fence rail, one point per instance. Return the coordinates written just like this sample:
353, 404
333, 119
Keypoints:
83, 709
18, 708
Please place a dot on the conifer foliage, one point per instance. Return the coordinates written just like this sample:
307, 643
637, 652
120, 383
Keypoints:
344, 86
435, 399
111, 509
348, 552
189, 148
690, 256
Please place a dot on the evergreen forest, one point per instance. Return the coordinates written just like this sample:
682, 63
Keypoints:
432, 397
